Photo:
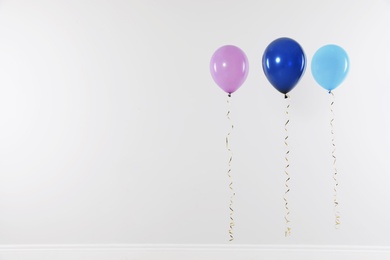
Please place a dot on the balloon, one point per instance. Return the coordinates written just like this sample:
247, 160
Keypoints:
284, 63
330, 66
229, 68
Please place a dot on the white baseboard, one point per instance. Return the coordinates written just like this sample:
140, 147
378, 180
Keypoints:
191, 252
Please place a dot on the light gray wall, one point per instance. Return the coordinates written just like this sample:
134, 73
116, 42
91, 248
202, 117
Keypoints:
112, 130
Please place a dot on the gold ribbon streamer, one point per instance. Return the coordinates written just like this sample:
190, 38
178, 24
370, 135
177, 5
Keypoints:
231, 224
336, 183
287, 214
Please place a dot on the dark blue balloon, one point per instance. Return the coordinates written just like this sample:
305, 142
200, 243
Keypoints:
284, 63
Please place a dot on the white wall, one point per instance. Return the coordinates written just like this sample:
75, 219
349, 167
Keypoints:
112, 130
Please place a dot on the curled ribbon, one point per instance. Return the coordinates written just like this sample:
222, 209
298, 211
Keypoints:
231, 224
287, 214
336, 183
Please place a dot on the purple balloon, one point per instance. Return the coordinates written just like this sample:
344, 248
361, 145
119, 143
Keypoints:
229, 68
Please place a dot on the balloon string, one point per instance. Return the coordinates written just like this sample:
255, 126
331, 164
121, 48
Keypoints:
231, 224
287, 214
335, 173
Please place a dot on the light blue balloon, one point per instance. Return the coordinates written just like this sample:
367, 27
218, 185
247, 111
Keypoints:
330, 66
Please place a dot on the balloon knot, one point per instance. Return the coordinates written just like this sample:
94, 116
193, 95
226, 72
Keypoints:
230, 94
285, 96
330, 91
